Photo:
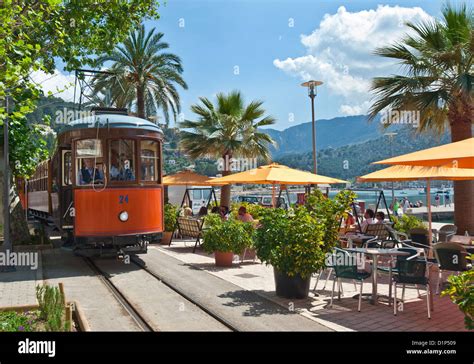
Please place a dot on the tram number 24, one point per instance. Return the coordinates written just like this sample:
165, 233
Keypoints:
123, 199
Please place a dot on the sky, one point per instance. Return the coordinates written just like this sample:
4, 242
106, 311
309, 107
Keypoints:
267, 48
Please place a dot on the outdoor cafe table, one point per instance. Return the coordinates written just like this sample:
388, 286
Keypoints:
356, 239
375, 253
466, 241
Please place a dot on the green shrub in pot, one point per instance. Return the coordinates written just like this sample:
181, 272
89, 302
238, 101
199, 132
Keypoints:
461, 292
226, 236
295, 242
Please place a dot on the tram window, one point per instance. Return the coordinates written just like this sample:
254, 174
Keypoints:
121, 160
149, 154
67, 169
88, 162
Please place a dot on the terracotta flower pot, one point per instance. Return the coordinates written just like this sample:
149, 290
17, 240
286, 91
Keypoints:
224, 259
165, 240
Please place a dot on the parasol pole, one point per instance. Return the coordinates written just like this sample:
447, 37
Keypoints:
428, 202
273, 195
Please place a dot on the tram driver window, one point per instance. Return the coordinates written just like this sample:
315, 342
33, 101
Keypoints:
88, 161
149, 160
121, 160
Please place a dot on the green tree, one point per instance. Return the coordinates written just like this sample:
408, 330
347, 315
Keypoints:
227, 130
439, 70
143, 74
36, 34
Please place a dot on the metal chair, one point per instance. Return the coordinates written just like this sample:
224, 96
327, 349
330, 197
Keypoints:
411, 271
450, 257
345, 266
413, 253
446, 232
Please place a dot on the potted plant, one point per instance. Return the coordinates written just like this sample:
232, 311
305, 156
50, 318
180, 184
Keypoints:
295, 242
461, 292
171, 215
225, 238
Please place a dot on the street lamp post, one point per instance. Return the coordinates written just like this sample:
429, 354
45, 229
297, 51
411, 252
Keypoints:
390, 138
312, 92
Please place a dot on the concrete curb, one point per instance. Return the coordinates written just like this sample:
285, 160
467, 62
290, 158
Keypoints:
80, 317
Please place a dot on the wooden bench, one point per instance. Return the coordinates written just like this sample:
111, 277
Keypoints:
378, 230
380, 234
190, 227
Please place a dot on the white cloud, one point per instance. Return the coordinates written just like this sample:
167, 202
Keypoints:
59, 84
340, 52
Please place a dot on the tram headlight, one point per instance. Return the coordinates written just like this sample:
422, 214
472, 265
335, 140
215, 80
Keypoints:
123, 216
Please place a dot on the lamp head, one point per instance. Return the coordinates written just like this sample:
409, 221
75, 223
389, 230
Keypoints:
312, 87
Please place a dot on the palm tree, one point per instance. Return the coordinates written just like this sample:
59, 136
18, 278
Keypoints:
226, 130
439, 71
142, 75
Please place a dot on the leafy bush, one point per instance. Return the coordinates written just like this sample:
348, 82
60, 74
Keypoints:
229, 235
171, 215
52, 307
407, 222
461, 292
330, 212
295, 242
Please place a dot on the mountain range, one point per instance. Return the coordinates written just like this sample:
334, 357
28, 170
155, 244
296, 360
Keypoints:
330, 133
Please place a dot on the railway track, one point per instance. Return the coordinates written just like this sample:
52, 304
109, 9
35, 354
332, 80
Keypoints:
140, 321
215, 316
126, 305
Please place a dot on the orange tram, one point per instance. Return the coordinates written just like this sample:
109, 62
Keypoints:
102, 188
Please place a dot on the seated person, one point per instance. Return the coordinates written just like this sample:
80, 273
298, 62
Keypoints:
224, 212
350, 220
202, 212
244, 216
186, 211
368, 220
88, 173
379, 217
119, 172
126, 173
114, 167
215, 210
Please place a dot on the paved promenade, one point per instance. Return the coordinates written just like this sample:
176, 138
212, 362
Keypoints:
242, 295
258, 278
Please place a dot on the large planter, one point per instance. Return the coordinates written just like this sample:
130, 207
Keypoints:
224, 259
291, 287
165, 240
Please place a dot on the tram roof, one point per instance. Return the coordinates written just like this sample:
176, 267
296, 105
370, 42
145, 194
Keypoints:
111, 121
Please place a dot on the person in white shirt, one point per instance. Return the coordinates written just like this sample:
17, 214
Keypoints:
406, 205
368, 220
